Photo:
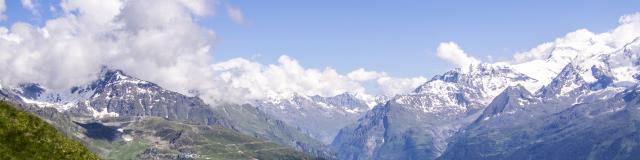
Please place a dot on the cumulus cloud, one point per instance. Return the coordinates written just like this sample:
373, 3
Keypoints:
235, 14
583, 41
156, 41
3, 8
160, 42
452, 53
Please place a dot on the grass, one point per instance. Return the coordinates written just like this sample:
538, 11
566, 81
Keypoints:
128, 151
25, 136
220, 143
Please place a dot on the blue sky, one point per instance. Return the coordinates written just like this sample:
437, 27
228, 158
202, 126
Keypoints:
400, 37
397, 37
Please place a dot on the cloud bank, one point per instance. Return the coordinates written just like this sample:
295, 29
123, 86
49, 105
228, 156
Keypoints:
562, 50
158, 41
282, 80
584, 41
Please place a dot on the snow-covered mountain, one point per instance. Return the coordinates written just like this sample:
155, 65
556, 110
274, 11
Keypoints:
420, 125
583, 113
510, 101
417, 125
603, 127
115, 97
320, 117
457, 92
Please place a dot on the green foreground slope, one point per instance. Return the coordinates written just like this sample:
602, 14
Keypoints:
25, 136
157, 138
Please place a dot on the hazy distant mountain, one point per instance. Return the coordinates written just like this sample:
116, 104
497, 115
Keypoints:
320, 117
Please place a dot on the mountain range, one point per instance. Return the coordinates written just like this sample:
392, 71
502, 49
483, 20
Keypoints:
569, 105
106, 115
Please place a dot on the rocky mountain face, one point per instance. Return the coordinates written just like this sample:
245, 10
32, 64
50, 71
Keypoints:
320, 117
601, 129
417, 125
511, 100
115, 94
9, 96
509, 111
116, 100
570, 118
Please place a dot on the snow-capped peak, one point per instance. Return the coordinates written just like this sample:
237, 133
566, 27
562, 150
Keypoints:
483, 82
619, 64
64, 99
513, 98
117, 76
566, 70
457, 91
565, 82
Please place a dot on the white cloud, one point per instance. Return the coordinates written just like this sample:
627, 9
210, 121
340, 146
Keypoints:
93, 12
583, 41
283, 79
363, 75
156, 41
28, 4
630, 18
393, 86
235, 14
3, 8
452, 53
257, 81
160, 42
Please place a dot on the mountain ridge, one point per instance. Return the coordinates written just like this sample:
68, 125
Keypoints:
465, 98
117, 98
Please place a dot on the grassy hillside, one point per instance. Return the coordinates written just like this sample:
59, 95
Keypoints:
25, 136
157, 138
254, 122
